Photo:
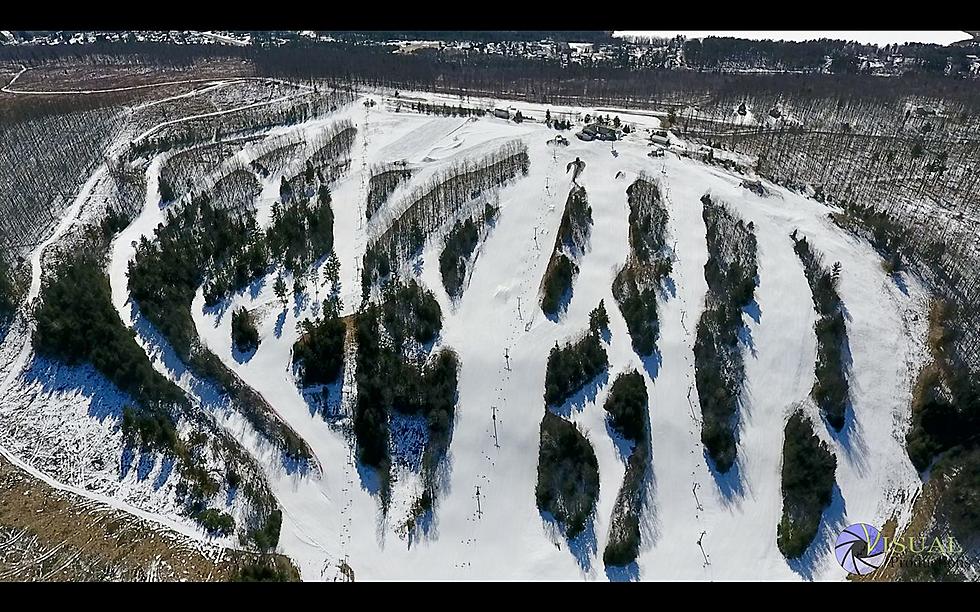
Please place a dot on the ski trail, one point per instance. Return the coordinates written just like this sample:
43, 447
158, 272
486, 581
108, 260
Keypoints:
69, 92
66, 223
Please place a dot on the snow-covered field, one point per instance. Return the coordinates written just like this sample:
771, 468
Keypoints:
333, 516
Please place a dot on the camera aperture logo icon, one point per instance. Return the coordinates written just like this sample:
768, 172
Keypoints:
860, 549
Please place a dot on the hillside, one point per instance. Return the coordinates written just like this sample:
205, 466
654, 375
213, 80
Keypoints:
457, 423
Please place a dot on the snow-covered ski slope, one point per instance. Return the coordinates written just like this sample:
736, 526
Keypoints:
333, 516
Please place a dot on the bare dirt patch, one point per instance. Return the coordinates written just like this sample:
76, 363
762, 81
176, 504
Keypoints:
47, 534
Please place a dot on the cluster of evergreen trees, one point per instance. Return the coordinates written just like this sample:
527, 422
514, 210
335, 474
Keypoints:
301, 231
460, 243
300, 234
627, 407
385, 178
76, 323
215, 522
568, 474
571, 366
731, 273
244, 335
393, 374
831, 389
164, 275
196, 242
570, 243
648, 263
557, 282
320, 350
431, 204
266, 536
807, 485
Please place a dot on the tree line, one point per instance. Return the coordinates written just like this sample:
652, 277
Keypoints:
647, 264
401, 234
731, 273
830, 391
396, 371
628, 414
570, 243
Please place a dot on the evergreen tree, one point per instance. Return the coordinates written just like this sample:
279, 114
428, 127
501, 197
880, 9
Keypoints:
598, 318
244, 334
280, 289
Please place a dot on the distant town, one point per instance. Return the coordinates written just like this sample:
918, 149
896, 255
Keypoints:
589, 49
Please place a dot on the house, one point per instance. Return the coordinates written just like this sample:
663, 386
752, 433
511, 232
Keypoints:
606, 133
503, 113
755, 186
597, 132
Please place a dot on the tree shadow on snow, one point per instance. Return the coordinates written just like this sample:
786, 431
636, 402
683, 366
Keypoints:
105, 399
209, 394
424, 528
624, 446
241, 357
899, 279
652, 363
255, 287
583, 547
166, 469
218, 310
831, 524
280, 322
563, 302
294, 465
669, 287
300, 300
744, 334
753, 310
626, 573
851, 439
370, 478
585, 395
730, 483
325, 400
